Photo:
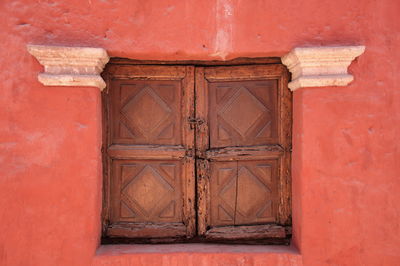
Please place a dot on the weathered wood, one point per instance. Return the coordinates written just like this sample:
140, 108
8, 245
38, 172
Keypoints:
202, 144
146, 152
248, 141
203, 196
148, 149
144, 157
242, 73
246, 232
202, 130
245, 153
285, 127
148, 230
188, 172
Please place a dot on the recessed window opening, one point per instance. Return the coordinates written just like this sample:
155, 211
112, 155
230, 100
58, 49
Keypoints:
196, 152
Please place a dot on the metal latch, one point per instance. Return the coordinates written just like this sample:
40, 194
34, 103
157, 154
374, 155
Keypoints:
194, 122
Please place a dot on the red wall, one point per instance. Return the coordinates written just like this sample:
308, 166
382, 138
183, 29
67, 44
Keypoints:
346, 166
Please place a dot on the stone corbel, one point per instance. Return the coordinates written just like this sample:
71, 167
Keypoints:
320, 66
70, 66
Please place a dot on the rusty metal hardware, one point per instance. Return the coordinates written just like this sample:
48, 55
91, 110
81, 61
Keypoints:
194, 122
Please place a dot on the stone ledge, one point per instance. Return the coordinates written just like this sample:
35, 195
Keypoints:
195, 253
70, 66
321, 66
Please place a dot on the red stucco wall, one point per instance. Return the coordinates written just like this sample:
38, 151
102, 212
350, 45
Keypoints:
346, 168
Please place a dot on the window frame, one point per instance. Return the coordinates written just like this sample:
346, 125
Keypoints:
283, 78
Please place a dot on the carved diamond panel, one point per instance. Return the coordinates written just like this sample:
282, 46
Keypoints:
257, 192
243, 192
146, 111
147, 189
242, 111
251, 193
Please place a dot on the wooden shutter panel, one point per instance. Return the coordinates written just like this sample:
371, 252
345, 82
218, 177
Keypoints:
234, 122
244, 143
150, 172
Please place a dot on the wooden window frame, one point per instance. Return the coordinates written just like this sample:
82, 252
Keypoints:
285, 110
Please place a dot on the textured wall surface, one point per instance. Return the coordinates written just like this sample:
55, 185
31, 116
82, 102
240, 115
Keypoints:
346, 168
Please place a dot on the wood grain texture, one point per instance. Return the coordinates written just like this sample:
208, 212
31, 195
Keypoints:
118, 151
146, 230
238, 73
203, 196
244, 153
246, 232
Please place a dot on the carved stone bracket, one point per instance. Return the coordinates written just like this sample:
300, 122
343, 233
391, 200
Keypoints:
70, 66
321, 66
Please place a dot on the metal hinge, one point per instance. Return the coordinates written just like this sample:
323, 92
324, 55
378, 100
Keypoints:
194, 122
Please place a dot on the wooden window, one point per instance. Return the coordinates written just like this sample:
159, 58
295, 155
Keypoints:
196, 153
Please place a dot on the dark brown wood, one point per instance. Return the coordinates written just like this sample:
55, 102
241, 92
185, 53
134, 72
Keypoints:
105, 214
246, 232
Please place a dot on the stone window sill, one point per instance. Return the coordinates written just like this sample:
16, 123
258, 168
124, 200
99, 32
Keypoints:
198, 253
